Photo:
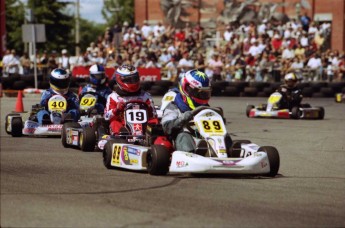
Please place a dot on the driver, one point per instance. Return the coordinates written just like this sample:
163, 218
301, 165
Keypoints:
291, 95
59, 80
194, 91
127, 89
97, 86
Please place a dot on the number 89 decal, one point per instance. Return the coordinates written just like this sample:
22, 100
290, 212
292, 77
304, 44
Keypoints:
212, 126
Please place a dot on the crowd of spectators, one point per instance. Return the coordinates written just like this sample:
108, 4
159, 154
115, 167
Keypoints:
244, 52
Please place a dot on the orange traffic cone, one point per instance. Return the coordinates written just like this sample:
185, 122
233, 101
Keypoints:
19, 103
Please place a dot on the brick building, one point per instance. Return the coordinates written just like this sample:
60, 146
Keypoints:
332, 11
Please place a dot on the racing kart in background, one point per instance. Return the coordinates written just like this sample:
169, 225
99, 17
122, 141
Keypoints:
271, 110
213, 156
57, 106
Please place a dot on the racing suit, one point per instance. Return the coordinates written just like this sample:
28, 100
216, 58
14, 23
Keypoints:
291, 97
101, 92
72, 104
114, 111
175, 116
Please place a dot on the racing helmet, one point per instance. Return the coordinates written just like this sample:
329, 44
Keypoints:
59, 80
195, 88
97, 75
127, 78
290, 80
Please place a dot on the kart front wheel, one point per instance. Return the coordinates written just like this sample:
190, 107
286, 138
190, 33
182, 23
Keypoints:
236, 148
158, 160
87, 139
296, 113
273, 159
64, 132
17, 127
8, 122
248, 109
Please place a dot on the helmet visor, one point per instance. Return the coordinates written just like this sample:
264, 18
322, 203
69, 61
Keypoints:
130, 79
60, 83
203, 94
99, 76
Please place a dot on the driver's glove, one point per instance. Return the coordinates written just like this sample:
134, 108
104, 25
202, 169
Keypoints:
186, 116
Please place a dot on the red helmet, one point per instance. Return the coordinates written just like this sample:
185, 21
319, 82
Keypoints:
127, 78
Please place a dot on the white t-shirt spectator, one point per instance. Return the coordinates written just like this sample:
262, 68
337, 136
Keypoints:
228, 35
145, 31
288, 53
254, 50
304, 41
314, 63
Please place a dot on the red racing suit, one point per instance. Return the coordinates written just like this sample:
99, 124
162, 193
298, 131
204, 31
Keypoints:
116, 103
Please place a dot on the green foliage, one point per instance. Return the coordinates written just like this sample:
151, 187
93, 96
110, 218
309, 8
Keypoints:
14, 21
59, 25
89, 31
118, 17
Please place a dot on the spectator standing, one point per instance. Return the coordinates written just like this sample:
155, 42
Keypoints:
64, 61
11, 63
185, 63
216, 66
305, 21
146, 29
25, 63
315, 66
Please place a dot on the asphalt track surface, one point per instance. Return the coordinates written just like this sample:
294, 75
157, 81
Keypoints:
46, 185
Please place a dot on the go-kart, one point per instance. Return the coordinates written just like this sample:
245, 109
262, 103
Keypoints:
340, 97
213, 155
272, 110
57, 105
126, 150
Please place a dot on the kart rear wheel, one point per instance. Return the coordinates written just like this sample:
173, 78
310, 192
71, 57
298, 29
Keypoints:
321, 113
64, 133
248, 109
108, 152
7, 122
158, 160
273, 159
87, 139
17, 127
296, 113
235, 150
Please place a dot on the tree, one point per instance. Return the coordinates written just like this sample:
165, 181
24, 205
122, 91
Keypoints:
118, 11
14, 21
58, 24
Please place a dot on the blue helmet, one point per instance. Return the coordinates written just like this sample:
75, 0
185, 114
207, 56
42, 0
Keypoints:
97, 74
59, 80
195, 88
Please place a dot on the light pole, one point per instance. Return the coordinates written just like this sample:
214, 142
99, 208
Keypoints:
77, 28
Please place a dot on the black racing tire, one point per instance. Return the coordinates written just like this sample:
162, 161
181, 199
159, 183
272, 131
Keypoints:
7, 122
327, 92
157, 90
249, 107
63, 132
231, 91
295, 113
250, 91
158, 160
87, 139
164, 83
307, 92
108, 152
19, 85
273, 159
17, 127
235, 150
146, 85
321, 113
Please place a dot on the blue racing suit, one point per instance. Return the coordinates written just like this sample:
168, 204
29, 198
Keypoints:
101, 92
72, 104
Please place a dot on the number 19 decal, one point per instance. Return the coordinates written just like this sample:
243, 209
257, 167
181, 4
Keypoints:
212, 126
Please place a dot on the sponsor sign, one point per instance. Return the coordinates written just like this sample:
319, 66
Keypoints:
146, 74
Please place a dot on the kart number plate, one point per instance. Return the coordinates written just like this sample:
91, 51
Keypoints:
57, 103
87, 101
212, 126
136, 116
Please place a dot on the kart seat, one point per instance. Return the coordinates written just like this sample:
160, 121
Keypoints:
201, 148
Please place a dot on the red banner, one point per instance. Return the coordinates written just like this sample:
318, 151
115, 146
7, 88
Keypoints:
146, 74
